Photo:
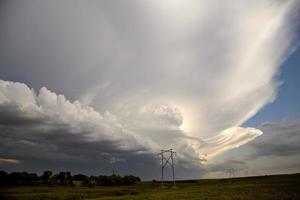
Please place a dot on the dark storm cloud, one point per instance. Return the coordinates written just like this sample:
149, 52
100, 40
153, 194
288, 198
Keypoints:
42, 127
38, 146
12, 116
280, 139
275, 151
47, 127
44, 130
226, 165
140, 76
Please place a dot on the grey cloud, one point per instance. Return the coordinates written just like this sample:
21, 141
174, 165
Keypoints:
152, 53
50, 125
143, 72
226, 165
275, 151
280, 139
47, 127
43, 127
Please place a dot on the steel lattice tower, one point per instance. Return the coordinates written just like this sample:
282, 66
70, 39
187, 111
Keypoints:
167, 158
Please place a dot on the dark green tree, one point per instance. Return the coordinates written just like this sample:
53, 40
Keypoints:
46, 176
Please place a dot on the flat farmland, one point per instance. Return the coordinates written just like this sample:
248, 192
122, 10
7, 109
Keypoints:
263, 187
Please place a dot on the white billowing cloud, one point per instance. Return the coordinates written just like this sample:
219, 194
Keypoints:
53, 110
158, 74
45, 111
213, 62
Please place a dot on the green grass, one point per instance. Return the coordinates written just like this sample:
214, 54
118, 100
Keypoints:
266, 187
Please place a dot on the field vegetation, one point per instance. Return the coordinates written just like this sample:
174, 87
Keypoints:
264, 187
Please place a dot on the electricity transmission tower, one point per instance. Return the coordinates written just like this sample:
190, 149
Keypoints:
231, 173
167, 158
113, 169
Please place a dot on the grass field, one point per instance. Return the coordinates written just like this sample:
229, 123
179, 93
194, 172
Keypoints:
265, 187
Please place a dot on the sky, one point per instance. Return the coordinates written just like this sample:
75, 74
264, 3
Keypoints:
91, 86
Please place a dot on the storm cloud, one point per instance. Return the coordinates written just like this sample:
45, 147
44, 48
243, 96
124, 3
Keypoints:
121, 80
280, 139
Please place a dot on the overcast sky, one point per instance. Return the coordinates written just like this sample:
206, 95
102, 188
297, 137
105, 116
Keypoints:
88, 86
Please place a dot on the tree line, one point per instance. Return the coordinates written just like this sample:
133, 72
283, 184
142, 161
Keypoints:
64, 179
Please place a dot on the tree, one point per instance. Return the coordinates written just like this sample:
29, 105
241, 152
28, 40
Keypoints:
65, 178
46, 176
90, 181
129, 180
15, 178
3, 178
80, 177
32, 179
